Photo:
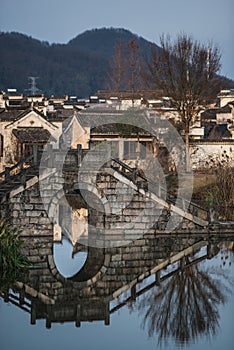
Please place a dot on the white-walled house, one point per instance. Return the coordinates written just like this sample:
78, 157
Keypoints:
97, 124
43, 118
225, 96
19, 130
205, 154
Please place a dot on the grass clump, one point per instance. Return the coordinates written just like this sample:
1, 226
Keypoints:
13, 264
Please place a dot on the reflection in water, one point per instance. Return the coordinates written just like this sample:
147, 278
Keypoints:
185, 305
180, 305
67, 263
74, 222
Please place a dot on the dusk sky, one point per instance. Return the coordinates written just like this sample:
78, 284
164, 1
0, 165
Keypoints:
59, 21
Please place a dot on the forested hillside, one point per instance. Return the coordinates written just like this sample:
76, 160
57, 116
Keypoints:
79, 67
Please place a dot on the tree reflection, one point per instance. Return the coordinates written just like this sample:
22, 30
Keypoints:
184, 306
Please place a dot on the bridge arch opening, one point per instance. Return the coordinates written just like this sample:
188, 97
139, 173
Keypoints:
68, 261
73, 260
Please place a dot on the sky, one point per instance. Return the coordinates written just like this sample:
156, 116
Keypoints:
58, 21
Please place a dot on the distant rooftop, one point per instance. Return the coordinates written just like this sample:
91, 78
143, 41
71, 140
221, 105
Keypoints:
226, 93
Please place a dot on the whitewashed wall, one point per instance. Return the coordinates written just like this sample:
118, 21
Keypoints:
206, 155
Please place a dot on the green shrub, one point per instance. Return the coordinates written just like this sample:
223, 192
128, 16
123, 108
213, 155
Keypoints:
13, 264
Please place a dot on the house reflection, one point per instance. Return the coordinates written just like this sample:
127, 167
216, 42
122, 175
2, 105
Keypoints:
74, 222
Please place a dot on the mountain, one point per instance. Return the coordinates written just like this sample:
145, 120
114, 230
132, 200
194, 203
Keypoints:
77, 68
102, 41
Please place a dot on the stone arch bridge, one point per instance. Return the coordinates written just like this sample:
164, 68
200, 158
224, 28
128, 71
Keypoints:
123, 250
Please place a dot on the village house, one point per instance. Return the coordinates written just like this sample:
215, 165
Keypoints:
217, 143
29, 120
99, 123
225, 96
21, 129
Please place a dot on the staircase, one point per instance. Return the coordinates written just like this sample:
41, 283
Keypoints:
17, 175
151, 187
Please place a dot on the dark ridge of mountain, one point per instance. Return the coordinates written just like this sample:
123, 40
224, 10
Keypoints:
61, 69
102, 41
79, 67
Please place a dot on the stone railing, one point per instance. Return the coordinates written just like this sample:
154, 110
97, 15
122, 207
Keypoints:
149, 185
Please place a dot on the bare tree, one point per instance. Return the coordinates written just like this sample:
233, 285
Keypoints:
125, 67
186, 305
220, 195
133, 67
186, 71
116, 74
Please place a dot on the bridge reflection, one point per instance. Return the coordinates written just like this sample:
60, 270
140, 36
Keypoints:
162, 277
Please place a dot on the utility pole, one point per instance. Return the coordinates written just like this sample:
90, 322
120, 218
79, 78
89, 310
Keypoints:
33, 87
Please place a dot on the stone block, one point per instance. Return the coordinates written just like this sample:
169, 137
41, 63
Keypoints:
34, 220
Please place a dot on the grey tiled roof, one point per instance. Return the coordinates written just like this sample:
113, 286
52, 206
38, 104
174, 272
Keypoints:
13, 115
218, 132
10, 116
211, 112
59, 115
31, 135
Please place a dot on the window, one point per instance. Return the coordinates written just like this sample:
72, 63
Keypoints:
1, 145
135, 149
114, 149
130, 149
142, 150
27, 149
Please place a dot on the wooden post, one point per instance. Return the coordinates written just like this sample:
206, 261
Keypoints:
133, 292
23, 179
79, 154
158, 277
6, 297
35, 155
182, 262
48, 322
23, 151
48, 317
212, 250
7, 172
78, 312
21, 298
107, 315
33, 314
